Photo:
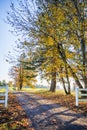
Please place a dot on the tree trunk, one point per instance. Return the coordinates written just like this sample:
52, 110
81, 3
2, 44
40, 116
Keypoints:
21, 85
21, 77
63, 57
63, 82
53, 82
67, 77
84, 62
82, 21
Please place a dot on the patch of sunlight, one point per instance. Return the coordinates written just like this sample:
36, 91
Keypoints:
2, 90
34, 90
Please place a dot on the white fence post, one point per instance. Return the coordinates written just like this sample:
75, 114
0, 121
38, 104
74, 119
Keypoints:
6, 96
77, 93
80, 95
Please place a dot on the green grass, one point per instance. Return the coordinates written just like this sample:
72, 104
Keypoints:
35, 90
2, 90
42, 91
11, 89
47, 94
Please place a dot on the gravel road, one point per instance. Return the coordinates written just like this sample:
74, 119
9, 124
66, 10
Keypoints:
46, 115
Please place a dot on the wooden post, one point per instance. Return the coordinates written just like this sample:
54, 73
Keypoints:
77, 93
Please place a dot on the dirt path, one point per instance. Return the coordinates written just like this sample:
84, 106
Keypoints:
45, 115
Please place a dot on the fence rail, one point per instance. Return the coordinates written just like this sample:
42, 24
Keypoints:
79, 95
4, 93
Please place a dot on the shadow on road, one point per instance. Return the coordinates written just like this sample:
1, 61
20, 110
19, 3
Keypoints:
49, 116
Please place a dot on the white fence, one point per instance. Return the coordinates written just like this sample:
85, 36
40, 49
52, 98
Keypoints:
79, 95
4, 93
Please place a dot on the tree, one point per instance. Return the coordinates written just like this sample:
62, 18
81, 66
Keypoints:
55, 26
53, 83
70, 31
19, 71
82, 19
10, 83
3, 83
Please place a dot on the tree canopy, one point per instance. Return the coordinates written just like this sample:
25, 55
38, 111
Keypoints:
54, 35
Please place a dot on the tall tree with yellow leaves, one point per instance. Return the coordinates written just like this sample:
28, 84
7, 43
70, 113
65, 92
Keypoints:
58, 27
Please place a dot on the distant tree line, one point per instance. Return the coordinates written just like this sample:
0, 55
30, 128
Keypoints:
3, 83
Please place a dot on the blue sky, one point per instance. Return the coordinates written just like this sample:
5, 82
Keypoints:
7, 40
